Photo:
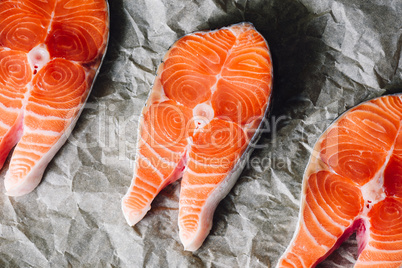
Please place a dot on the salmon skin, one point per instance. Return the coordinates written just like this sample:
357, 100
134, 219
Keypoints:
50, 54
353, 182
204, 111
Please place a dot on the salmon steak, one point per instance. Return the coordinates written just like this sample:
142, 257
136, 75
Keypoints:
203, 113
353, 182
50, 53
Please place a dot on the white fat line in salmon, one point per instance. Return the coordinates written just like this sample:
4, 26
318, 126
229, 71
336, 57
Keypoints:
322, 228
371, 247
26, 152
153, 185
8, 97
23, 159
149, 164
42, 132
50, 117
191, 205
294, 264
215, 162
49, 27
26, 143
4, 125
382, 241
163, 159
327, 215
242, 82
30, 151
312, 238
144, 189
9, 109
48, 106
140, 193
378, 263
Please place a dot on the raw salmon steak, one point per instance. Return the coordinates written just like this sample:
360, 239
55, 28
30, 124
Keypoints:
209, 98
50, 52
353, 182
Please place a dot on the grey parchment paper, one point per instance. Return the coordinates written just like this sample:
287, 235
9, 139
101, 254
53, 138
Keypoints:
328, 56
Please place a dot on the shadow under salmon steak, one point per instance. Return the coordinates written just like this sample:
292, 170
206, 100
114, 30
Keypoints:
50, 54
202, 116
353, 182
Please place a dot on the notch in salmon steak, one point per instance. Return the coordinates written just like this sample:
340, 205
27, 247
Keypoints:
353, 182
50, 54
204, 111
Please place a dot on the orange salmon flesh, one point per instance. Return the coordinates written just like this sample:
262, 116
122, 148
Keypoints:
209, 97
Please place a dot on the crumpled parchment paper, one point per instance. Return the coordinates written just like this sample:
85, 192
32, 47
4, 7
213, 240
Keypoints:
328, 56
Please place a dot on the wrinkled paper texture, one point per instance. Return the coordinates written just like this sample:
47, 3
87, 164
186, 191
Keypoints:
328, 57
